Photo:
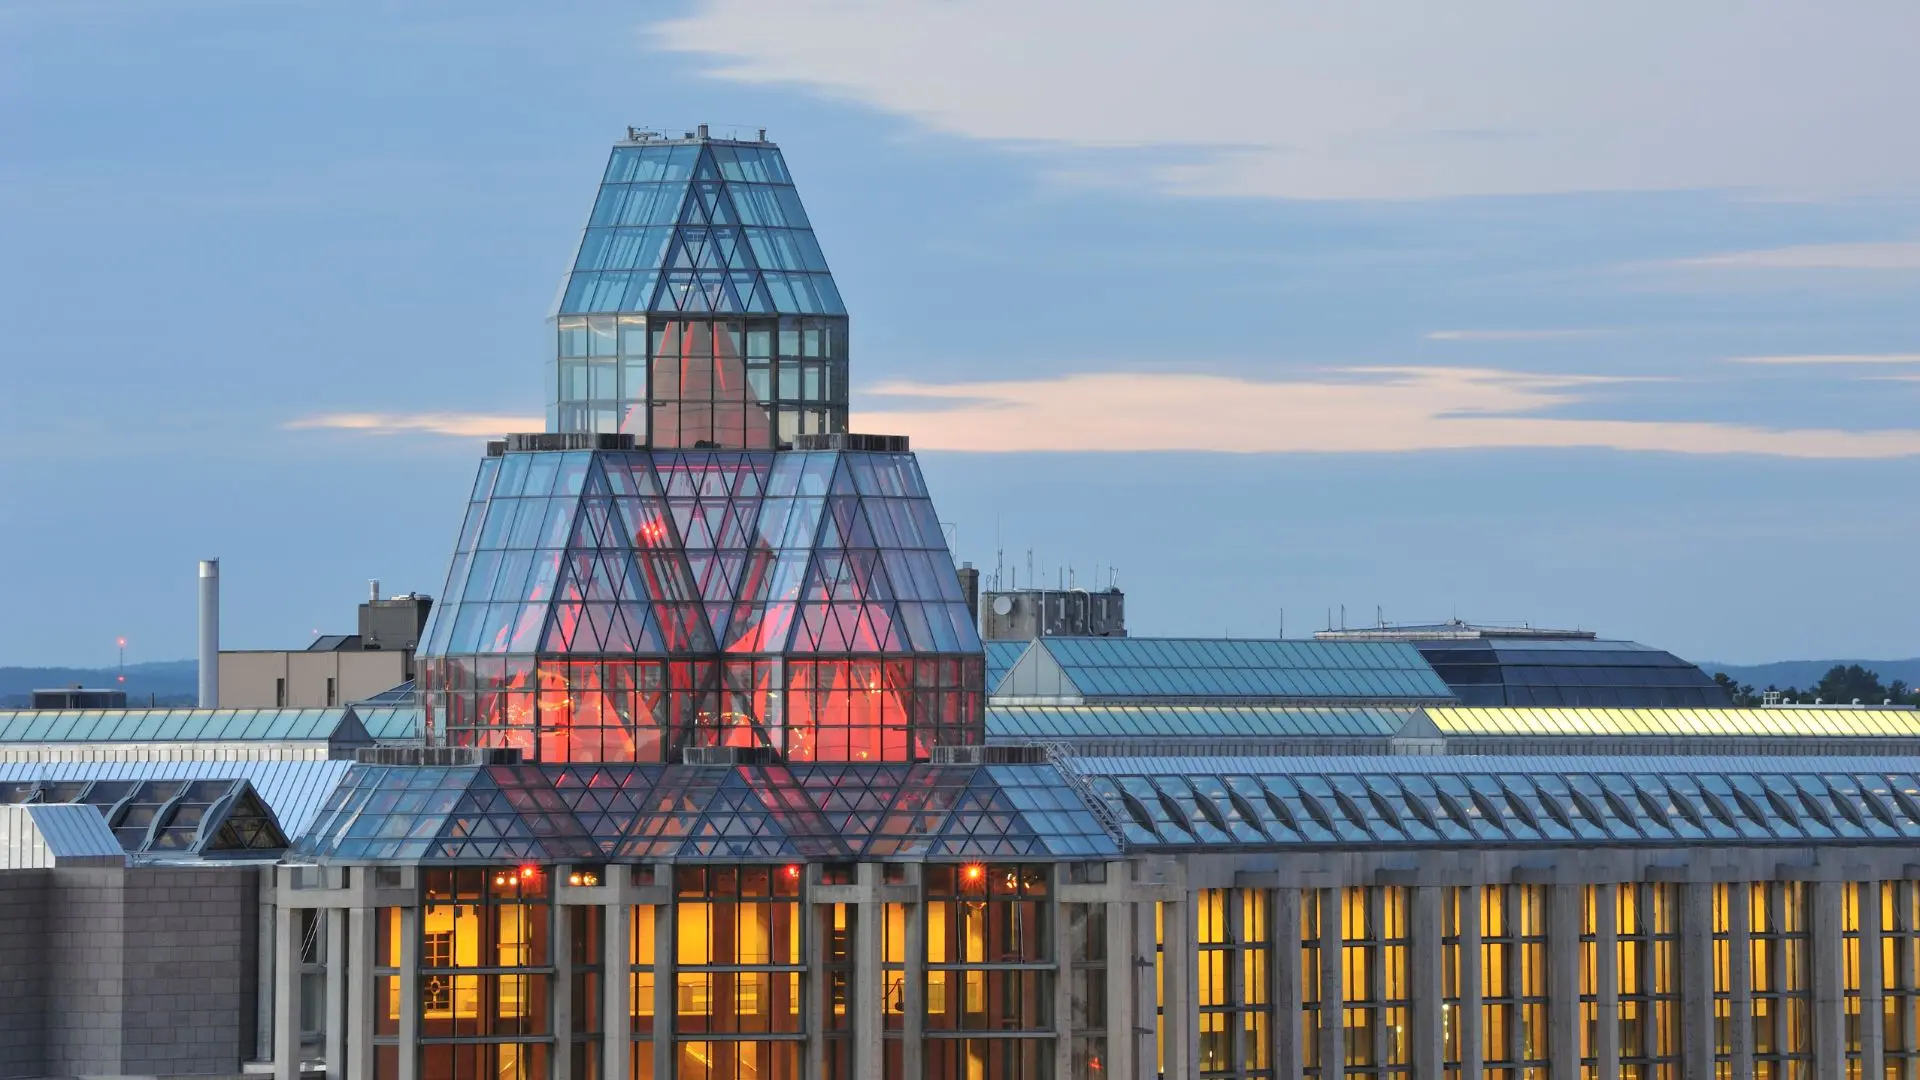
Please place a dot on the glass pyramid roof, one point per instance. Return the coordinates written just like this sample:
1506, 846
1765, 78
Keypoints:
699, 226
819, 812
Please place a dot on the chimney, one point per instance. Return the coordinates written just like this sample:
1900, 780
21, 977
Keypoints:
970, 587
210, 633
373, 591
702, 129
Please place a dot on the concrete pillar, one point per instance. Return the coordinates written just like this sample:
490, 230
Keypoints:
409, 993
1873, 1016
560, 990
914, 971
1062, 980
1122, 1009
1564, 904
1696, 980
616, 959
1286, 984
813, 987
666, 979
362, 941
1179, 931
1472, 1045
869, 980
1740, 976
1426, 981
1606, 1036
334, 935
1829, 997
268, 983
1333, 1031
286, 999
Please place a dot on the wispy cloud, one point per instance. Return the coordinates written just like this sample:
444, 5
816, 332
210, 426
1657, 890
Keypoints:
463, 425
1822, 359
1506, 335
1376, 410
1505, 97
1875, 255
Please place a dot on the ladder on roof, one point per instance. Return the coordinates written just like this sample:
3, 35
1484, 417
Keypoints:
1061, 758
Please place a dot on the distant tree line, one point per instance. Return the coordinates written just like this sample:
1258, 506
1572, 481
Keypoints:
1841, 685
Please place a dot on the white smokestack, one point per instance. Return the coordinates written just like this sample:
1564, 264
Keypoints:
373, 590
210, 633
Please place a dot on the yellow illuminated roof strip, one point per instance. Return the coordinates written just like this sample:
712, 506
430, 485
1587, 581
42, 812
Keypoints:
1840, 723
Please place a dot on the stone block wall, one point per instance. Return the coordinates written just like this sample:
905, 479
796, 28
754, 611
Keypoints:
23, 967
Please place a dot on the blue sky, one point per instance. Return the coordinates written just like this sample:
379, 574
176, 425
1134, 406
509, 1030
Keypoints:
1506, 311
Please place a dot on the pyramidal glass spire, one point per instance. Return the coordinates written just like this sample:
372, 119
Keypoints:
699, 311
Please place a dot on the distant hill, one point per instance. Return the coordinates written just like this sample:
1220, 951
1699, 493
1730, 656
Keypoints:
1804, 674
167, 682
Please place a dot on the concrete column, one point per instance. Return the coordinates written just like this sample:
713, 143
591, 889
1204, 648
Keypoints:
1564, 903
1426, 981
1286, 984
666, 979
362, 941
263, 1013
1740, 976
813, 987
1122, 1010
1606, 1036
1472, 1044
1873, 1016
409, 993
869, 980
286, 999
1062, 980
616, 959
1829, 997
914, 971
1333, 1031
1696, 980
560, 990
1178, 932
334, 934
1146, 1031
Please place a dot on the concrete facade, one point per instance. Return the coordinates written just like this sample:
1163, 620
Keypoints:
140, 971
282, 679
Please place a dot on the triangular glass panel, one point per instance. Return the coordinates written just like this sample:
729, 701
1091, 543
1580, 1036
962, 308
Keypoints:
694, 213
842, 482
705, 168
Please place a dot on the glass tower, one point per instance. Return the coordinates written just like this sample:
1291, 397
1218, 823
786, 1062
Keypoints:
699, 311
666, 570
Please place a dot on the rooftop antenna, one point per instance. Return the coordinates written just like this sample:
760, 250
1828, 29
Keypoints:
1283, 624
1343, 616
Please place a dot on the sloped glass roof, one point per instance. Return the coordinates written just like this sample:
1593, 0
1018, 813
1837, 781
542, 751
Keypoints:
1739, 723
169, 725
1187, 668
1572, 672
171, 816
1001, 656
1402, 802
1175, 721
392, 723
709, 227
839, 812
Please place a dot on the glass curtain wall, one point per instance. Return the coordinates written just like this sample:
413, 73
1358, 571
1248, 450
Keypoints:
990, 971
1513, 979
1648, 964
838, 996
1374, 951
1900, 977
485, 972
1782, 996
1233, 981
1087, 995
738, 968
586, 951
